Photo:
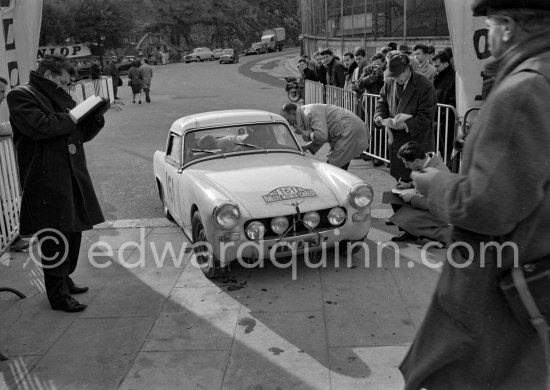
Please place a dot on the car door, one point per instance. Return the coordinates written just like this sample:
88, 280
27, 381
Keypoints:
173, 162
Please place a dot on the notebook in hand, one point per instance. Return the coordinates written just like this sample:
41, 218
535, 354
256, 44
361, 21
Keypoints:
92, 105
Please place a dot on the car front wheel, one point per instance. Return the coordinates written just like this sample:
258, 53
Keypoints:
210, 266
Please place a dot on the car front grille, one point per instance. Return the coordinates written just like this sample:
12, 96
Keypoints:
297, 227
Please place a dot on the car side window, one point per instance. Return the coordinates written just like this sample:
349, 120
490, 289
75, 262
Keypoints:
174, 148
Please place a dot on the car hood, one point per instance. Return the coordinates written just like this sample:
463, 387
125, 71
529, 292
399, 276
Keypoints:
271, 184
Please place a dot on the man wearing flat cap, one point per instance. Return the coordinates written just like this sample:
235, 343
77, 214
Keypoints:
477, 333
405, 92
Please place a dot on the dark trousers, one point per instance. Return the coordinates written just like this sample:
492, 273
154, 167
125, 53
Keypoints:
115, 90
59, 253
147, 97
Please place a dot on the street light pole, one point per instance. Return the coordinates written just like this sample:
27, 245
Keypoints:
404, 22
326, 23
342, 28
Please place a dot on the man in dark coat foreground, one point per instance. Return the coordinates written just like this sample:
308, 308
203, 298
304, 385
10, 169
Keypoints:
470, 338
58, 200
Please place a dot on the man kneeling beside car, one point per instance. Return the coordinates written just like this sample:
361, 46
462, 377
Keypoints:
415, 217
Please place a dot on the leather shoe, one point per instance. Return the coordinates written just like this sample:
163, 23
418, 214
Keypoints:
70, 306
404, 237
78, 289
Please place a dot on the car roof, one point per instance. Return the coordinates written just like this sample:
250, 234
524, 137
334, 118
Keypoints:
223, 118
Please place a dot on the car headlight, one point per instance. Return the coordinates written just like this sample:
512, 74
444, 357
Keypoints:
227, 215
361, 195
312, 219
337, 216
255, 230
279, 225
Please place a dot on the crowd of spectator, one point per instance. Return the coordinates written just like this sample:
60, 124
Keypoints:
410, 82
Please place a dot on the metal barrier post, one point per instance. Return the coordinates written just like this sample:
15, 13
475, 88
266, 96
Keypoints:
10, 194
379, 137
313, 92
444, 139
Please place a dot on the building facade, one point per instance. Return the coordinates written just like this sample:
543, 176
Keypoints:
345, 24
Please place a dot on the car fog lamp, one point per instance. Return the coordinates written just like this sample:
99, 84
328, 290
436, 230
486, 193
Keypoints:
227, 215
361, 196
312, 219
255, 231
336, 216
279, 225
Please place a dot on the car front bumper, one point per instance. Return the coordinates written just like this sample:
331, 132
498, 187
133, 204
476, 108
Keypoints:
234, 245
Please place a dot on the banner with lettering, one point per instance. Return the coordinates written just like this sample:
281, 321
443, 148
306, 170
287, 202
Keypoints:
19, 36
69, 51
470, 52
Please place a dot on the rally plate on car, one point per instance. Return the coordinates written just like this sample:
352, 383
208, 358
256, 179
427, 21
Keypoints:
288, 193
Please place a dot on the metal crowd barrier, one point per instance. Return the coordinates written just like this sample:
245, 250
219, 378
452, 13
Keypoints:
445, 130
314, 92
379, 136
82, 90
341, 97
10, 194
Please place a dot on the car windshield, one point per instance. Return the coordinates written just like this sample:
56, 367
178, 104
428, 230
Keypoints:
198, 50
270, 136
227, 51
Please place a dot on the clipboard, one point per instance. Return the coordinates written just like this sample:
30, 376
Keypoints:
389, 197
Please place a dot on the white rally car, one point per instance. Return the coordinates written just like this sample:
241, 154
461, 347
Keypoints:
239, 182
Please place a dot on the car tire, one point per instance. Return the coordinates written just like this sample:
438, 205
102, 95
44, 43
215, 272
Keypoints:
165, 210
198, 59
209, 266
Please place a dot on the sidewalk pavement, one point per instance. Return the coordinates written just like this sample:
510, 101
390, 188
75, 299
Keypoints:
168, 327
162, 325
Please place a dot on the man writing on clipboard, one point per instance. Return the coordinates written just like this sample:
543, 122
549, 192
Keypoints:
58, 200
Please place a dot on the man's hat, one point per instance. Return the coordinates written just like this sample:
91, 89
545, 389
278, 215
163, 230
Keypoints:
397, 63
480, 7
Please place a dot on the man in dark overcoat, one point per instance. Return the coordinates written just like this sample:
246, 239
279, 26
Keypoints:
470, 337
406, 92
58, 200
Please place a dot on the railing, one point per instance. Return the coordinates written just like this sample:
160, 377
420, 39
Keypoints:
341, 97
314, 92
446, 121
379, 136
82, 90
10, 194
445, 131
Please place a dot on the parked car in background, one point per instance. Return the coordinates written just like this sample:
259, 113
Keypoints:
217, 53
228, 57
124, 64
240, 186
200, 54
256, 48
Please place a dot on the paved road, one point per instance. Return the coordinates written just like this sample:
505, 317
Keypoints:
121, 157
